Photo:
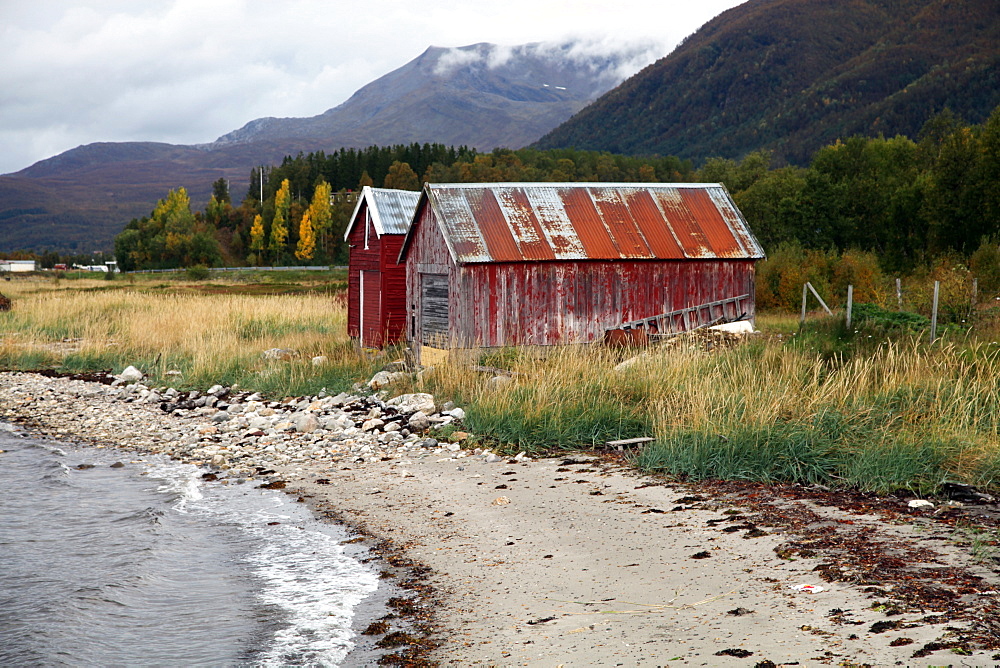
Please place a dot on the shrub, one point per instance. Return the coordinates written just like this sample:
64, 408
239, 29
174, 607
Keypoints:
198, 272
872, 314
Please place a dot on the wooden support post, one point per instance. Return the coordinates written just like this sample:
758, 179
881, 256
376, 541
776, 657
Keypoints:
975, 300
934, 309
802, 321
821, 302
850, 303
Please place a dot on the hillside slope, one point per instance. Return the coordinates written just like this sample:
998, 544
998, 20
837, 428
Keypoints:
482, 96
794, 75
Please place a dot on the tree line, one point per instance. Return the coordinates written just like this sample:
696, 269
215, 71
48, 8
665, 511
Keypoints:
909, 202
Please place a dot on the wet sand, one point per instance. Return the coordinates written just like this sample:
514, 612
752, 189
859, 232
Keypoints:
586, 565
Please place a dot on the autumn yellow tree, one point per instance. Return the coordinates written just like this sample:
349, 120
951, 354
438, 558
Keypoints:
320, 213
307, 239
279, 225
401, 177
257, 234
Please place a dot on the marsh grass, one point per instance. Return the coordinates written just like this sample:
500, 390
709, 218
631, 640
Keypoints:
209, 338
816, 405
902, 416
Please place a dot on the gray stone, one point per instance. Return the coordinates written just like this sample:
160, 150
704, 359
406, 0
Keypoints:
282, 354
130, 375
456, 413
412, 403
496, 382
385, 378
369, 425
305, 423
418, 422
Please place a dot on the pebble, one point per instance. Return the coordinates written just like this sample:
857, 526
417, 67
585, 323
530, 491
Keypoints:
238, 431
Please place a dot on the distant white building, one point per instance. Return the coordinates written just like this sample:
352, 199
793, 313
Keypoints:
92, 267
17, 265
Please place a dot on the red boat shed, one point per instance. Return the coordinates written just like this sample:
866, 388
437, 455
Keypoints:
540, 264
376, 283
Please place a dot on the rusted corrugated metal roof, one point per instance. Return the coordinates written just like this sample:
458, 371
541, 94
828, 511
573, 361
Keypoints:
391, 210
523, 222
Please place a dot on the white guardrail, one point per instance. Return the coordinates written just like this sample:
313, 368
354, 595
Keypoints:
176, 269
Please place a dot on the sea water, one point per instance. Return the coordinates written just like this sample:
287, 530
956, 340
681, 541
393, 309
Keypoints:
148, 564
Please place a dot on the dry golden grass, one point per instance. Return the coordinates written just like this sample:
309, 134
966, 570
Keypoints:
209, 338
782, 406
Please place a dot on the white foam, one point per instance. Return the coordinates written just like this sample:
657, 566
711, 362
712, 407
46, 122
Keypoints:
303, 571
182, 480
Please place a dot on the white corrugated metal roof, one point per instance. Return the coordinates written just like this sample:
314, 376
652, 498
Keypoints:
391, 210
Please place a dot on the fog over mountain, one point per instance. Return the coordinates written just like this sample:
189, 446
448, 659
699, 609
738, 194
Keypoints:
483, 96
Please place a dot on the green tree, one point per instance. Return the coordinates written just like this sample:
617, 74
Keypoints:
172, 236
220, 190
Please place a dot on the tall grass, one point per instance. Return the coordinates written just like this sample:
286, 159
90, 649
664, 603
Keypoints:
904, 416
821, 405
209, 338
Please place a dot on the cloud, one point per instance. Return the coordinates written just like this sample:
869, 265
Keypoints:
455, 58
188, 71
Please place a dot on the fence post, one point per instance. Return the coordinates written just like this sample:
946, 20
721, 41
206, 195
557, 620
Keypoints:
934, 309
899, 294
850, 303
802, 320
975, 300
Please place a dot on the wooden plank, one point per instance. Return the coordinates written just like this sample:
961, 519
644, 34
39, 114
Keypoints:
434, 310
630, 441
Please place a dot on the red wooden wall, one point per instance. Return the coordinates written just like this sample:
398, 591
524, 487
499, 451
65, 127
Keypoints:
549, 303
384, 289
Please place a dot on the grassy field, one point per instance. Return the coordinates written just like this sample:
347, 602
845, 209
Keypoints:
874, 409
211, 331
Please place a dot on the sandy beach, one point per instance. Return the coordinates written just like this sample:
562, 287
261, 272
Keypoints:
580, 561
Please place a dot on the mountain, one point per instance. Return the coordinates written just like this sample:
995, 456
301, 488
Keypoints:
791, 76
482, 96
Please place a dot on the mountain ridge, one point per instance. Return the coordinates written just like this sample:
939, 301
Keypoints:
790, 76
481, 96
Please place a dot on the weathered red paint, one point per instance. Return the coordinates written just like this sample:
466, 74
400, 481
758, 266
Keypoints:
531, 264
385, 286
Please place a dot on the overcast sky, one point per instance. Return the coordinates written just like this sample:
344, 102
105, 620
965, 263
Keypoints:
188, 71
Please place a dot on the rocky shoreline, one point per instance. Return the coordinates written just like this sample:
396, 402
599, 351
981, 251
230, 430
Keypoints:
573, 561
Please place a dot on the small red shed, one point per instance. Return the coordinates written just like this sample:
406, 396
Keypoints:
376, 282
500, 264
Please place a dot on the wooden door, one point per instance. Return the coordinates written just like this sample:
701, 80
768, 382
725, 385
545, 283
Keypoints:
372, 330
434, 310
